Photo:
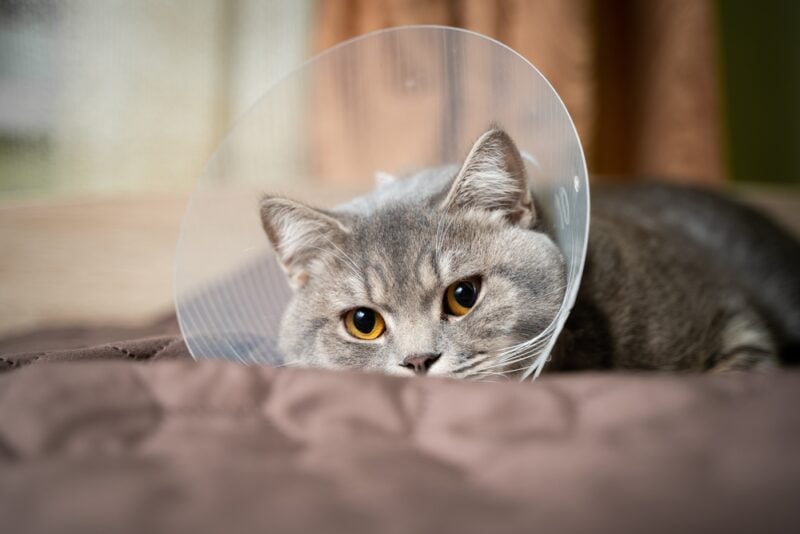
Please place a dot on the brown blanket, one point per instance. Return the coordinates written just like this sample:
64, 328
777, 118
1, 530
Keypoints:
108, 444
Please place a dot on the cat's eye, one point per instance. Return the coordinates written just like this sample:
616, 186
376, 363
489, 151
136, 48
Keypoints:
364, 323
461, 296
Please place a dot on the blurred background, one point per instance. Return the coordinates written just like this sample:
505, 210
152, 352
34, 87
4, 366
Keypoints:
109, 111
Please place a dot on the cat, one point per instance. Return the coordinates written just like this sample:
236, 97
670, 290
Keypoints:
448, 271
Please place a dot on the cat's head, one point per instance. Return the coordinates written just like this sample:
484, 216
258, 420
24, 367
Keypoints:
439, 280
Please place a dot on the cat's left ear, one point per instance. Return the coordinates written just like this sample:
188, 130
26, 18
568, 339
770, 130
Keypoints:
493, 179
300, 235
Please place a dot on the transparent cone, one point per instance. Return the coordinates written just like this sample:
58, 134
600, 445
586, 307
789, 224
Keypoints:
395, 101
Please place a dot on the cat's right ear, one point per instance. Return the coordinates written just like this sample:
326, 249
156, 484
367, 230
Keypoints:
493, 180
299, 234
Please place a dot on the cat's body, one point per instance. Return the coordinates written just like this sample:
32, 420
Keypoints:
682, 279
449, 273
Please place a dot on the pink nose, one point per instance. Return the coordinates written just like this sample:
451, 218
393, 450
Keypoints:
420, 363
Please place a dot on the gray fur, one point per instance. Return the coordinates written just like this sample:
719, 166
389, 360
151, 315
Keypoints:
651, 298
397, 249
682, 279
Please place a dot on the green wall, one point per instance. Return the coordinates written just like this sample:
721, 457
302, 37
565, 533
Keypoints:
760, 68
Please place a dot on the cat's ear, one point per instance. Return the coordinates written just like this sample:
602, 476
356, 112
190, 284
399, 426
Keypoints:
493, 179
299, 234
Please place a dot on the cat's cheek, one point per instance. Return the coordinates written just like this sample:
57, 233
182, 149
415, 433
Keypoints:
340, 352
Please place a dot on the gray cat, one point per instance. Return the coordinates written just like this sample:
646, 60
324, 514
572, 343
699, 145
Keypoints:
449, 271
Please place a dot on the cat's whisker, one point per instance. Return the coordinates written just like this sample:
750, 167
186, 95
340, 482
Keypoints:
472, 363
504, 368
490, 364
505, 362
476, 369
482, 375
519, 355
526, 349
539, 341
496, 360
507, 368
515, 370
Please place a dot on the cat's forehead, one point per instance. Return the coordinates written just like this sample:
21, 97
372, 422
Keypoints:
399, 233
404, 253
396, 249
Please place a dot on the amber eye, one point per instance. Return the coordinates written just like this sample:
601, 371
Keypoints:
461, 296
364, 323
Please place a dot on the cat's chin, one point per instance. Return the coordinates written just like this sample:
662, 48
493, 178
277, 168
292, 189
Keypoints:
402, 371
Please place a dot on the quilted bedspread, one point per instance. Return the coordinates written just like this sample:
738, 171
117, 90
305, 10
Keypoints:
135, 437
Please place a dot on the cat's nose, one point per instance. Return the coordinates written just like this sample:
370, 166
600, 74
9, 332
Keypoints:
420, 363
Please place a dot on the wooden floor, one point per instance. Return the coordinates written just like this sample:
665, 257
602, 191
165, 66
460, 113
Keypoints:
64, 264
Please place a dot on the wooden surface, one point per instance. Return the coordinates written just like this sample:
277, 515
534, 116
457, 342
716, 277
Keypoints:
73, 263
